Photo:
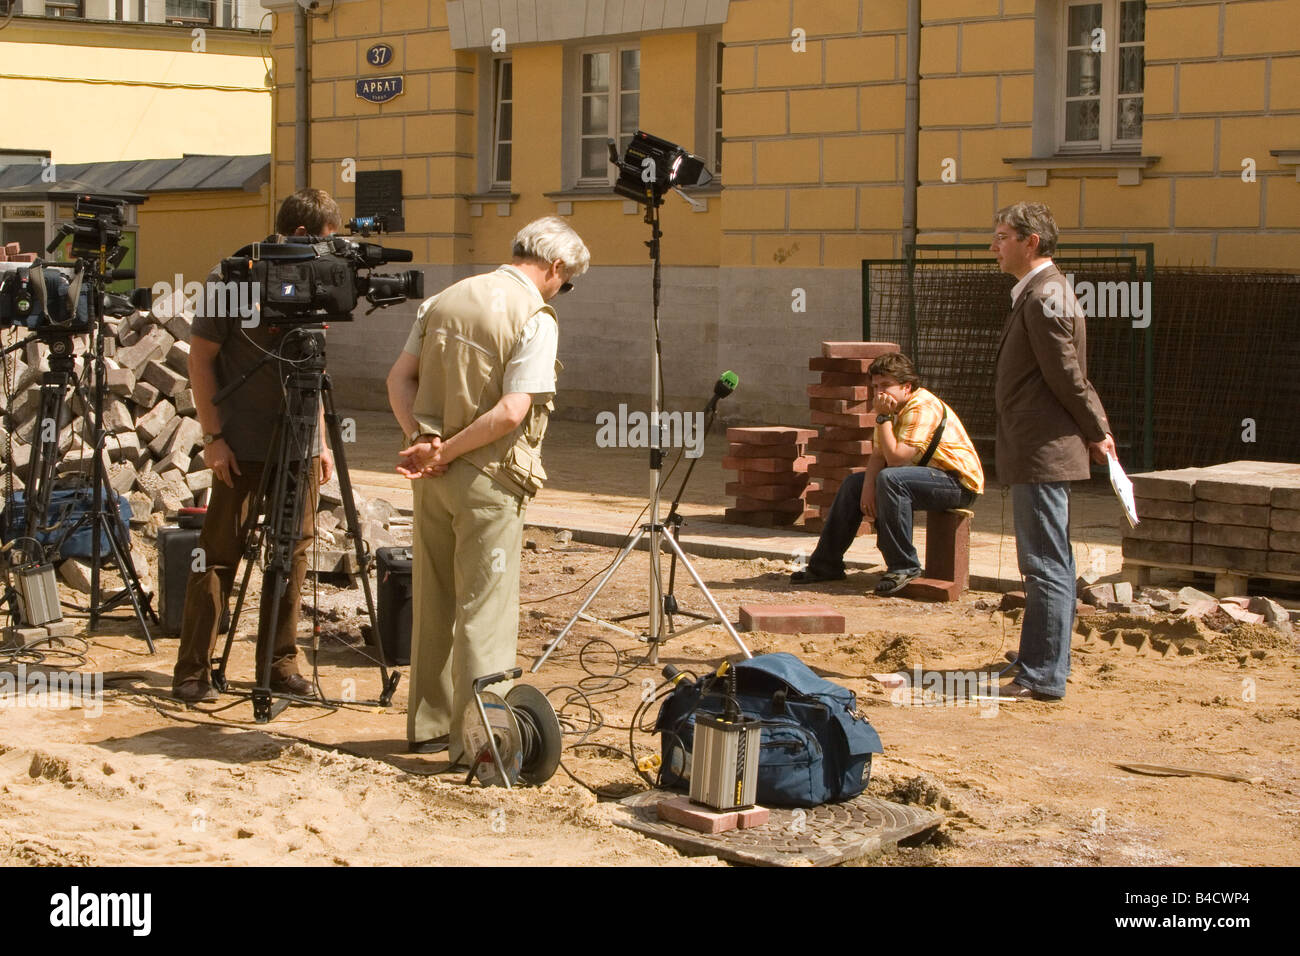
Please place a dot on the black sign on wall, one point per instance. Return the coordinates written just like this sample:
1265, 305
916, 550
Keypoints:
379, 193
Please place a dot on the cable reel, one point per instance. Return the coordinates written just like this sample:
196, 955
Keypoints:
511, 739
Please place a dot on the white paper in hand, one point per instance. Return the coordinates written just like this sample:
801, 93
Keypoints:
1123, 490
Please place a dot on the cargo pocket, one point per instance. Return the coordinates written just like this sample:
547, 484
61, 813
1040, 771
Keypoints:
790, 766
523, 464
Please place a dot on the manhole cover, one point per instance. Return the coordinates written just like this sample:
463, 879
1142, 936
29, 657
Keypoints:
819, 836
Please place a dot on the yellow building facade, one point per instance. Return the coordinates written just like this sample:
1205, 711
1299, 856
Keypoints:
84, 86
1175, 122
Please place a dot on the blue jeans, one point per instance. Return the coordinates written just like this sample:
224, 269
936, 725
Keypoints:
1042, 518
899, 492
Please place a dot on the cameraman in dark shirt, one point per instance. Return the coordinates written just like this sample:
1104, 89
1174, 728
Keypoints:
236, 440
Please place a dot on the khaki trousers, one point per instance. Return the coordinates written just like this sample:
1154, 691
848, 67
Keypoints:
465, 579
208, 591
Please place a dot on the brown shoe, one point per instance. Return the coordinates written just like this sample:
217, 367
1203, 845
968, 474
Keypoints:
295, 685
194, 692
1014, 691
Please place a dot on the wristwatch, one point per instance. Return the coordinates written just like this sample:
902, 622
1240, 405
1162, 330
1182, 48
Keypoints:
881, 419
209, 439
416, 435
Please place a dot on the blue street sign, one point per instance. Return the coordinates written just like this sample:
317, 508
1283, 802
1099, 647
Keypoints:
380, 89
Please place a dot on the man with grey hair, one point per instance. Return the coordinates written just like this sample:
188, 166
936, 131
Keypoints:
472, 391
1050, 421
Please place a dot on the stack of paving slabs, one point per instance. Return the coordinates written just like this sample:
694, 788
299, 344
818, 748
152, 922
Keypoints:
841, 404
1242, 517
771, 466
154, 451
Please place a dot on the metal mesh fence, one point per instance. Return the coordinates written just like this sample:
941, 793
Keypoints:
1224, 347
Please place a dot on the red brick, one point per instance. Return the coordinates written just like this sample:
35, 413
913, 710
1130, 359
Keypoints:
843, 461
753, 817
814, 524
681, 811
947, 558
834, 472
738, 450
782, 492
932, 589
747, 481
836, 433
843, 366
839, 407
843, 421
771, 435
823, 497
824, 445
796, 466
794, 505
851, 379
858, 350
791, 619
846, 393
760, 519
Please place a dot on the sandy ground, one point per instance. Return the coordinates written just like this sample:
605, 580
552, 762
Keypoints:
142, 780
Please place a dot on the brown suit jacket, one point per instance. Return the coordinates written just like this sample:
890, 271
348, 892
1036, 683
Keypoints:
1046, 405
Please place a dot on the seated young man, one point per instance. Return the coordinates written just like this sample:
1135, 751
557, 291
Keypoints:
913, 465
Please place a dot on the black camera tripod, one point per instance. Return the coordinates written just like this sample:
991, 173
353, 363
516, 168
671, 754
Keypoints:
102, 519
282, 495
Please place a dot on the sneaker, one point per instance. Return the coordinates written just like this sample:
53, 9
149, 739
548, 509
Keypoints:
891, 582
809, 576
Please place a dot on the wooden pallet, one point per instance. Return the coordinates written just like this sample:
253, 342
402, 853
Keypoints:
1227, 581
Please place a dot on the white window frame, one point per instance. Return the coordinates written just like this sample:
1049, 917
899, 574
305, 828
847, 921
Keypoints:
1109, 93
613, 114
498, 63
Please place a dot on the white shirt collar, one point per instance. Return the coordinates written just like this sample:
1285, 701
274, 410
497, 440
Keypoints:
1019, 287
518, 276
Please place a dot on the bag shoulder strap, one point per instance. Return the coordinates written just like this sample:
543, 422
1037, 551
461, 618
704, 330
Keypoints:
934, 441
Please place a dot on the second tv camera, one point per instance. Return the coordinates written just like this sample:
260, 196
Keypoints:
308, 280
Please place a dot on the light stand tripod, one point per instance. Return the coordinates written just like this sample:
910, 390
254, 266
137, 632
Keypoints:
288, 467
660, 605
45, 454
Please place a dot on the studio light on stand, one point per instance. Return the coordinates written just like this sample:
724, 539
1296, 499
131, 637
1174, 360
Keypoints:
648, 169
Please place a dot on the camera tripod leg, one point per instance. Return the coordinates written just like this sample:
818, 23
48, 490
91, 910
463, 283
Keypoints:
387, 680
285, 512
250, 549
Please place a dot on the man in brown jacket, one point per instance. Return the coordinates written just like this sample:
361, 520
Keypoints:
1050, 421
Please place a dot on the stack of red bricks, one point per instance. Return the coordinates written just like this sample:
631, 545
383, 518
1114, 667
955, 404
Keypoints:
841, 405
771, 466
9, 253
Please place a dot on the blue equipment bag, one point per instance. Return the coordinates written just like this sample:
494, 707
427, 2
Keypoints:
814, 747
66, 505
